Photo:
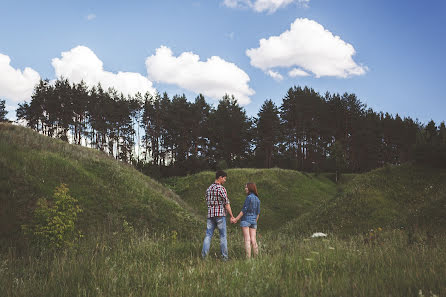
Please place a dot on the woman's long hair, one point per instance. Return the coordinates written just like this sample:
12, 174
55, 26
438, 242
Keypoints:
252, 188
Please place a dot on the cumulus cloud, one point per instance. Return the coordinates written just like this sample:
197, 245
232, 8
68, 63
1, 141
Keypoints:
263, 5
81, 63
309, 46
15, 84
274, 74
297, 72
214, 78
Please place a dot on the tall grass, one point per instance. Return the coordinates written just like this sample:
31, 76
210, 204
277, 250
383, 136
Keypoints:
161, 265
109, 191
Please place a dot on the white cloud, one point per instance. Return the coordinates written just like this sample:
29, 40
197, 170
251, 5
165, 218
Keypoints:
214, 77
81, 63
91, 16
297, 72
263, 5
15, 84
309, 46
274, 74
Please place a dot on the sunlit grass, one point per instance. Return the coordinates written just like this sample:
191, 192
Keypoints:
131, 265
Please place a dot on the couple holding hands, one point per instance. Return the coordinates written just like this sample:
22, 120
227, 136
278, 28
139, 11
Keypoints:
218, 205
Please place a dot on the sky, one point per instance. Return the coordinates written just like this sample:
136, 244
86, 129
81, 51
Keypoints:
391, 54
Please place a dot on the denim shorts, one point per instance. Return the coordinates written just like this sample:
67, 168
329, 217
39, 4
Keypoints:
248, 224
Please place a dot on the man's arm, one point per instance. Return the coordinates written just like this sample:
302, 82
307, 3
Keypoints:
224, 196
228, 209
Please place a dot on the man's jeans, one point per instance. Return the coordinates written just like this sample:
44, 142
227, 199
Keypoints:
212, 223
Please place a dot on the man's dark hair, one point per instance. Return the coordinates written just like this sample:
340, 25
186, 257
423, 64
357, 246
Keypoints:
220, 173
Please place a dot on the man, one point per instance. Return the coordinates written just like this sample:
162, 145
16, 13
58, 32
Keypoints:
218, 205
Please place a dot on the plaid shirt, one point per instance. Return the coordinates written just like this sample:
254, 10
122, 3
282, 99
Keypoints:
216, 199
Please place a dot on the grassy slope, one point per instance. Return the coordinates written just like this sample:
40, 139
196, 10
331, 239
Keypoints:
284, 194
32, 165
109, 191
404, 196
296, 203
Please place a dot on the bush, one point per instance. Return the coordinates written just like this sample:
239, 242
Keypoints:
53, 224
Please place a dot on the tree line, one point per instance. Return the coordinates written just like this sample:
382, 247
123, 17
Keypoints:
165, 136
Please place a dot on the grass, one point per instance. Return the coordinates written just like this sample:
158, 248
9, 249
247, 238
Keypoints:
144, 238
148, 265
404, 196
284, 194
108, 191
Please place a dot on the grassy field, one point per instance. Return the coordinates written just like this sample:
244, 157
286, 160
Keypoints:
164, 266
143, 238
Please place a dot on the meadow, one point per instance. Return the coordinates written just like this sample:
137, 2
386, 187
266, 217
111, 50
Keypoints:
162, 265
144, 238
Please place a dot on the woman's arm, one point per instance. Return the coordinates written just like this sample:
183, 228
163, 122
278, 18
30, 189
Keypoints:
258, 212
244, 209
239, 216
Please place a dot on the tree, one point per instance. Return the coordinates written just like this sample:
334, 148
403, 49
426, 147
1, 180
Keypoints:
267, 131
442, 134
200, 129
180, 127
136, 109
301, 123
3, 111
54, 221
337, 154
230, 132
431, 132
80, 103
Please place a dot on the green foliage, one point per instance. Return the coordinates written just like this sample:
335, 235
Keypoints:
267, 133
3, 111
181, 137
54, 221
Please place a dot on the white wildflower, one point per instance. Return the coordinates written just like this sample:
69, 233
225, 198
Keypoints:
318, 234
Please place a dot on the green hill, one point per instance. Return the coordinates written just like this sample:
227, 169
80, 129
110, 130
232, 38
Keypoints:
109, 191
284, 194
293, 202
406, 197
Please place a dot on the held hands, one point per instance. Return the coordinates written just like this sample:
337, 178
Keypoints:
233, 220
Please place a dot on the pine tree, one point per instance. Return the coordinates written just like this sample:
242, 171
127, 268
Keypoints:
3, 111
267, 132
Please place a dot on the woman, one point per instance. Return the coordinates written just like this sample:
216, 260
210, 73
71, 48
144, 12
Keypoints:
249, 216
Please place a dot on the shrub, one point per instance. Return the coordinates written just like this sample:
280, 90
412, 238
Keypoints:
53, 224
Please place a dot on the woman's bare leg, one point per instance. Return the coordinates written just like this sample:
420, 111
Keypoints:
255, 247
247, 240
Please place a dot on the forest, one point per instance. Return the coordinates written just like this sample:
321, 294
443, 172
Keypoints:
167, 136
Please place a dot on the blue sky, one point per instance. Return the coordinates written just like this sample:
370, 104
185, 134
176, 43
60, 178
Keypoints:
389, 53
